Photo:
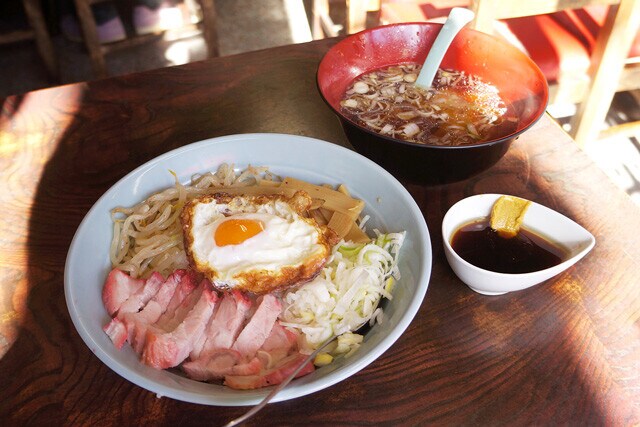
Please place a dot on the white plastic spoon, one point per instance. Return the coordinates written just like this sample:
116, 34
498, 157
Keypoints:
458, 18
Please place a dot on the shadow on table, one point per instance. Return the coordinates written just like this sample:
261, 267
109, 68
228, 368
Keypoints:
52, 377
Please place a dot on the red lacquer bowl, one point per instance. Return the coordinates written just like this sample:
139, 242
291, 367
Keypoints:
519, 80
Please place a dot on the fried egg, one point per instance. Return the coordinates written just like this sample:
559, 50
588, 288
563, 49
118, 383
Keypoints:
255, 243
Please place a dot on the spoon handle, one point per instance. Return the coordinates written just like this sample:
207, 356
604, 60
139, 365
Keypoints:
279, 387
457, 19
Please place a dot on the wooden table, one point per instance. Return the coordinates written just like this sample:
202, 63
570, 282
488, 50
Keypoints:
567, 351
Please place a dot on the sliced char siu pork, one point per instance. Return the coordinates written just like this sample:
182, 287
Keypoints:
259, 326
271, 376
225, 325
169, 349
135, 302
278, 345
174, 322
138, 323
180, 305
221, 347
118, 287
116, 329
132, 326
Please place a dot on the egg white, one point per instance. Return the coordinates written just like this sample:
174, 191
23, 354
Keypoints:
286, 241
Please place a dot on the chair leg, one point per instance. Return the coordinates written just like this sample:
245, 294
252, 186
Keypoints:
356, 16
484, 18
33, 10
209, 27
321, 22
91, 40
358, 13
608, 61
318, 7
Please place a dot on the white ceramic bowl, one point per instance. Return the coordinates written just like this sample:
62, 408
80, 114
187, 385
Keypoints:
547, 222
390, 206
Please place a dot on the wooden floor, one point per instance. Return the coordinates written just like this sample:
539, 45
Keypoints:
245, 25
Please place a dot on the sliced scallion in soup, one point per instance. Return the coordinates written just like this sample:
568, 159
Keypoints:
458, 109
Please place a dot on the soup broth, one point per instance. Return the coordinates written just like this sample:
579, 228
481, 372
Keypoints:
458, 109
480, 245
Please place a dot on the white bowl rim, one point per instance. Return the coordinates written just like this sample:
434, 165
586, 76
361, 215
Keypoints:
560, 267
253, 397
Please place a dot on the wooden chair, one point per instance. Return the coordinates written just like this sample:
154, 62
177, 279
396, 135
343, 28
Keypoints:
356, 13
97, 51
610, 69
417, 10
39, 32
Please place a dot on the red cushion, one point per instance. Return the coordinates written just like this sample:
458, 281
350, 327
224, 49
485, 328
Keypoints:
551, 47
585, 23
556, 51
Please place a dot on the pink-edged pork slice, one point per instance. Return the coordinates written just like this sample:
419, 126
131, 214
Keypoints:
225, 325
270, 376
183, 300
138, 300
280, 343
259, 327
217, 364
187, 285
280, 338
117, 332
169, 349
116, 329
118, 287
138, 323
252, 367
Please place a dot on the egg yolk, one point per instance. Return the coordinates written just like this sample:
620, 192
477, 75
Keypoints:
236, 231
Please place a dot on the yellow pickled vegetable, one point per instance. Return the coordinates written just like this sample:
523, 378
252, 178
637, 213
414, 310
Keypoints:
322, 359
507, 215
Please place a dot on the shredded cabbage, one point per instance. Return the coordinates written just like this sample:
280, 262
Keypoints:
346, 293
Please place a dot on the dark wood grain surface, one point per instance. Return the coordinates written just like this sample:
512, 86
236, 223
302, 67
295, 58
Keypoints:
567, 351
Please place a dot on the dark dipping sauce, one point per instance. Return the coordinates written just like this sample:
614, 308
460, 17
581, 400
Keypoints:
480, 245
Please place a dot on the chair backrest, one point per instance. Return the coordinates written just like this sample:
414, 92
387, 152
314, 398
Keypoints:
39, 32
97, 50
489, 10
608, 58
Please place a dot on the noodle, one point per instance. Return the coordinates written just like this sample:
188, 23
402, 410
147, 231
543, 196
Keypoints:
148, 236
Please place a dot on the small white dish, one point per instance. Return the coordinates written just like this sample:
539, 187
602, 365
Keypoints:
389, 204
539, 219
